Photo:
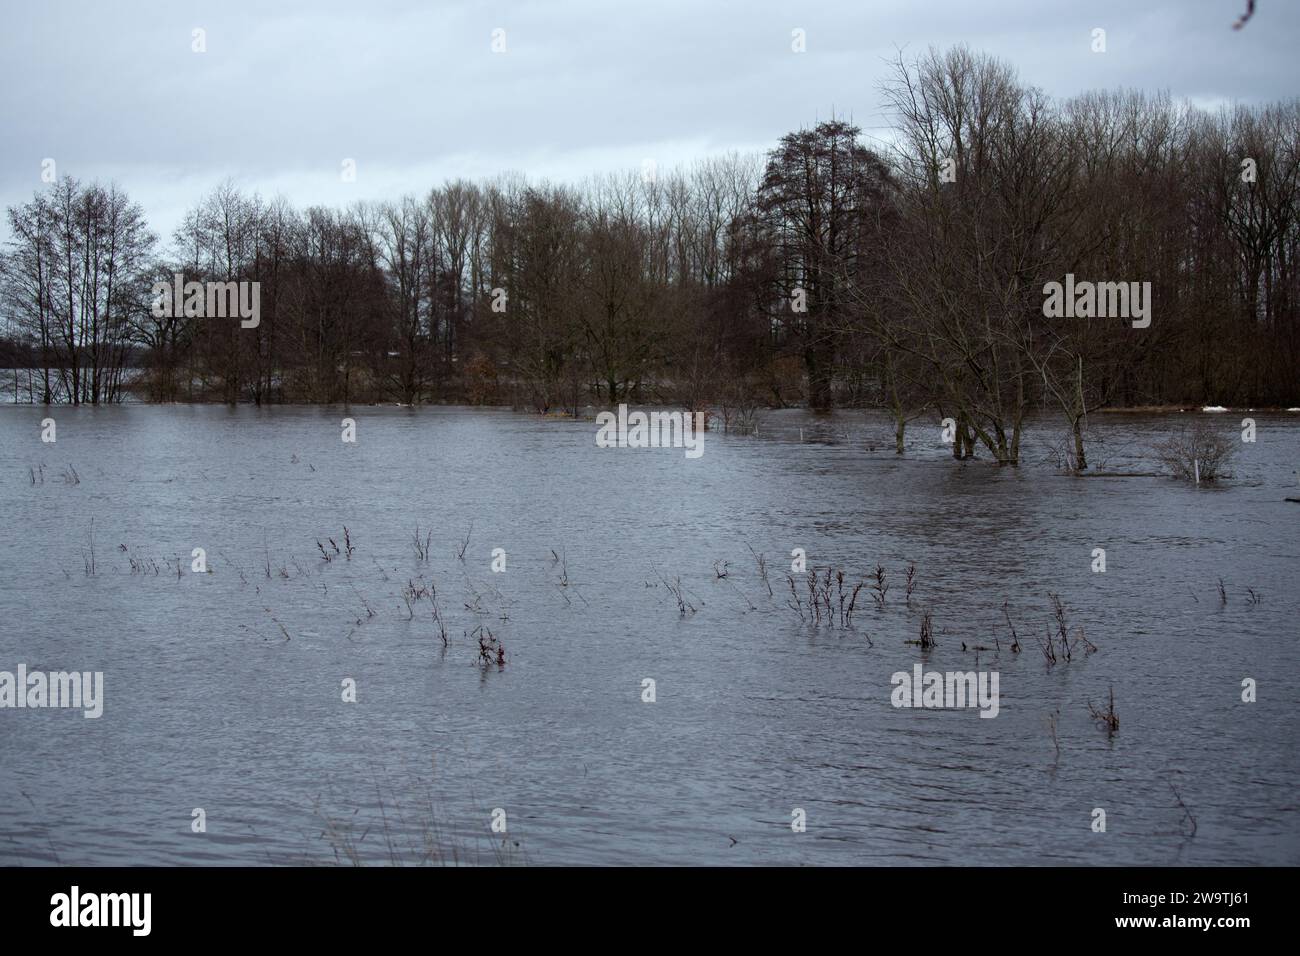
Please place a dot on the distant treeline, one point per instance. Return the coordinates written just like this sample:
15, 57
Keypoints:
908, 273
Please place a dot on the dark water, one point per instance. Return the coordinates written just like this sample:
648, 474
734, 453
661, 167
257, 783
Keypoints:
208, 705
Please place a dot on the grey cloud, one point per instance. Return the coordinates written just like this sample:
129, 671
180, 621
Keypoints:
412, 91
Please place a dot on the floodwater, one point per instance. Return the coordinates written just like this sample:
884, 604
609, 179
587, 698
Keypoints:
223, 691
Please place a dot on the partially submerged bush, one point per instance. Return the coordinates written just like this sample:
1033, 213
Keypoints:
1200, 447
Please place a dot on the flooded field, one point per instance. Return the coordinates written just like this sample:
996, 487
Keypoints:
225, 691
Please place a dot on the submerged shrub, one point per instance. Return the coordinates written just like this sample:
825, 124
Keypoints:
1200, 447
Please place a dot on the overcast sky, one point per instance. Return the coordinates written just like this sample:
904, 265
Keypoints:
413, 92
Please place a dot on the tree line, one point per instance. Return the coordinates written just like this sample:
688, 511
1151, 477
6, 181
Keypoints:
907, 273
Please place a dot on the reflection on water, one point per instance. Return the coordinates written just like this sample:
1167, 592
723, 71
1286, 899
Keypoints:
223, 691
